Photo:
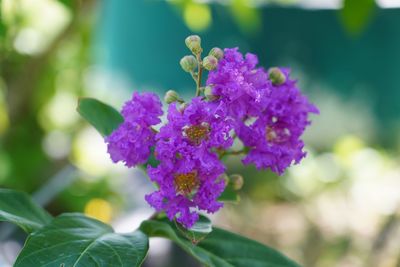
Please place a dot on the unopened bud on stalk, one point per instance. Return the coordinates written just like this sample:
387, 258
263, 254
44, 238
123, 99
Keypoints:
210, 62
209, 94
188, 63
237, 181
172, 96
193, 42
276, 76
217, 53
224, 177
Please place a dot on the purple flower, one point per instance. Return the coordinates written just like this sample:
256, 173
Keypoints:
199, 124
187, 184
269, 119
130, 143
145, 108
239, 84
189, 169
132, 140
274, 136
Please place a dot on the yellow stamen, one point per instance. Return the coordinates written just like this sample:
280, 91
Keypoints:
270, 134
274, 135
185, 183
196, 133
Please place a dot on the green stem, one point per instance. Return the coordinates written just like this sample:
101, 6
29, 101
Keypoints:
200, 71
194, 76
224, 153
236, 152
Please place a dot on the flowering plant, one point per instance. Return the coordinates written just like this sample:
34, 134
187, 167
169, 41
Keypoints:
242, 110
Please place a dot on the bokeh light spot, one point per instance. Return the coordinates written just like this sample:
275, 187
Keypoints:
197, 16
99, 209
89, 153
346, 146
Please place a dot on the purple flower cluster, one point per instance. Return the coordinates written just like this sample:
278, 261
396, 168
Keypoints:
239, 84
268, 117
189, 169
131, 142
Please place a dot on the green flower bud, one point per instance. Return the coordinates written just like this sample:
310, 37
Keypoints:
276, 76
224, 177
193, 42
217, 53
172, 96
209, 94
237, 181
210, 62
188, 63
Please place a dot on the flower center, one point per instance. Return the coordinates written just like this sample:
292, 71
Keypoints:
276, 135
196, 133
185, 183
270, 134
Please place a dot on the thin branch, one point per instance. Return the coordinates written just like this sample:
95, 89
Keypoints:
200, 71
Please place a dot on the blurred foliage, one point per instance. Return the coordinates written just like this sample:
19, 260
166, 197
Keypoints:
246, 16
44, 56
339, 207
355, 14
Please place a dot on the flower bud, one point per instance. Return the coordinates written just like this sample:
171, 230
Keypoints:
193, 42
188, 63
217, 53
237, 181
171, 96
276, 76
224, 177
210, 62
209, 94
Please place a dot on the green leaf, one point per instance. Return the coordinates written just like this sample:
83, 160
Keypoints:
102, 116
356, 14
229, 195
199, 230
73, 240
221, 248
18, 208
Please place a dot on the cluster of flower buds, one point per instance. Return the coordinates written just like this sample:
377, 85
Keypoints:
191, 63
264, 110
234, 180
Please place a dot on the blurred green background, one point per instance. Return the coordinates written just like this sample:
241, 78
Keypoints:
340, 207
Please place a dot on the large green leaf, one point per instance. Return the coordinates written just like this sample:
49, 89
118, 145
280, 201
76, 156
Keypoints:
73, 240
17, 208
221, 248
102, 116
